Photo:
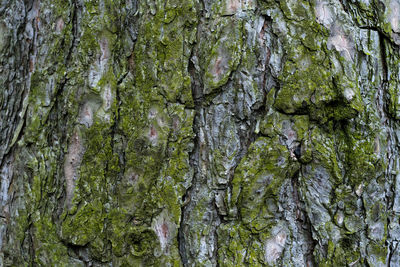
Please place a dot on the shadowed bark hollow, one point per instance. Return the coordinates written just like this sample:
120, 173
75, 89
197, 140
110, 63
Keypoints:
199, 133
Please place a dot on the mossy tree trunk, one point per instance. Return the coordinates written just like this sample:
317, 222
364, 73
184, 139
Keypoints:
199, 133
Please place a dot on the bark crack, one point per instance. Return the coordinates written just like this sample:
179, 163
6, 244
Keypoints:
383, 96
186, 208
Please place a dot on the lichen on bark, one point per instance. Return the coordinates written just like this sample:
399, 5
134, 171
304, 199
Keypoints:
199, 133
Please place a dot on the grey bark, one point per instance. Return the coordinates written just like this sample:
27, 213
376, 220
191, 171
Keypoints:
199, 133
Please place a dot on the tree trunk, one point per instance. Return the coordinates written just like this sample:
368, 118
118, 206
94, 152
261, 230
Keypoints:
199, 133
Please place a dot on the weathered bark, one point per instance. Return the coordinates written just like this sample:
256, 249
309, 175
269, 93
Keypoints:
199, 133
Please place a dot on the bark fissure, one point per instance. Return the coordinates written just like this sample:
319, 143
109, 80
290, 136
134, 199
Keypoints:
194, 163
215, 133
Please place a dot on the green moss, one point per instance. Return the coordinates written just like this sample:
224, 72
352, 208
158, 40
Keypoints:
305, 81
160, 55
130, 243
310, 82
50, 250
83, 227
273, 123
138, 159
259, 177
148, 181
343, 253
377, 252
119, 137
238, 247
324, 154
361, 156
392, 84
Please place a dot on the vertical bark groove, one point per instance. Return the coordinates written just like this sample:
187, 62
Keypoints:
199, 133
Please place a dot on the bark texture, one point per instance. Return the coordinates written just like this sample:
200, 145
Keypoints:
199, 133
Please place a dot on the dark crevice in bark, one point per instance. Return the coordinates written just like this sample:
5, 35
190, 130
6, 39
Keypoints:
31, 245
67, 62
383, 58
27, 50
246, 138
197, 94
392, 248
80, 252
25, 238
57, 119
382, 102
12, 125
219, 221
116, 116
370, 27
75, 29
383, 37
303, 221
115, 126
59, 124
344, 5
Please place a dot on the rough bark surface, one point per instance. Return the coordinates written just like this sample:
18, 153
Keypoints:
199, 133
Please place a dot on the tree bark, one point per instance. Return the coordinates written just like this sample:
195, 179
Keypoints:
199, 133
